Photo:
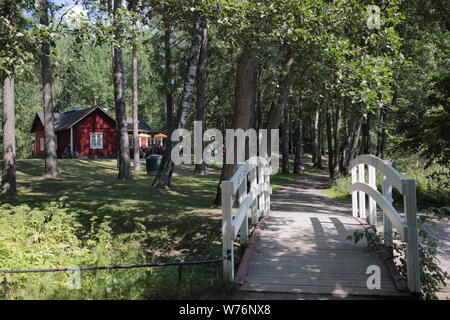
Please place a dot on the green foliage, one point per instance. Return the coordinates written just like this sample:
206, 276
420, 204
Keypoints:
432, 182
52, 237
432, 276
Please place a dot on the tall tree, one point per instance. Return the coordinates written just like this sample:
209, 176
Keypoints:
122, 142
51, 165
200, 168
285, 142
164, 176
299, 143
168, 73
244, 99
134, 89
8, 182
317, 152
276, 112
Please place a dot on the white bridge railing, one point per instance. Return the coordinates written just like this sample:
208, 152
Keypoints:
407, 228
248, 189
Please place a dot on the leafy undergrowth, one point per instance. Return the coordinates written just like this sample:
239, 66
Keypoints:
103, 221
53, 238
433, 183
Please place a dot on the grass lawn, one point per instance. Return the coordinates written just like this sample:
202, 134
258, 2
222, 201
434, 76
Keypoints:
180, 223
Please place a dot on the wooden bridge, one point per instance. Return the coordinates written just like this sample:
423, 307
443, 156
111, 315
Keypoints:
298, 243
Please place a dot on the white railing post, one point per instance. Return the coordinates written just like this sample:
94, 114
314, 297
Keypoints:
253, 185
268, 194
261, 203
372, 203
361, 195
244, 227
227, 230
354, 194
412, 244
387, 224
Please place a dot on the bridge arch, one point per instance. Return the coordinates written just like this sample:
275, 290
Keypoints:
406, 227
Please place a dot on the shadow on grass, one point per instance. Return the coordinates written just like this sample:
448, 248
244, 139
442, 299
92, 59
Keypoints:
178, 221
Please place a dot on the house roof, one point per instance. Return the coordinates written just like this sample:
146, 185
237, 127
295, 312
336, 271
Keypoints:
143, 126
66, 120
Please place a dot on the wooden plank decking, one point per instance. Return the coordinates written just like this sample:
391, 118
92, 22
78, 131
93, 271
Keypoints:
306, 251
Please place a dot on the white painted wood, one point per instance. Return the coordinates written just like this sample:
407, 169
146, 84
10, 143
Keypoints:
372, 203
268, 193
254, 206
241, 214
393, 175
354, 194
244, 224
385, 205
412, 246
261, 196
387, 224
227, 229
407, 229
257, 199
361, 194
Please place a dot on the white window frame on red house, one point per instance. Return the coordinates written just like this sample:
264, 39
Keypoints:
41, 144
96, 140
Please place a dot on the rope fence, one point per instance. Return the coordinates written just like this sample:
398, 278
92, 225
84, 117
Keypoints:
134, 266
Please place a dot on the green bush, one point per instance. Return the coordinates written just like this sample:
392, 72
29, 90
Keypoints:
432, 277
432, 183
52, 237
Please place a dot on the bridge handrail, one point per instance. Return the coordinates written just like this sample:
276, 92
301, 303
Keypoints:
255, 196
385, 167
407, 187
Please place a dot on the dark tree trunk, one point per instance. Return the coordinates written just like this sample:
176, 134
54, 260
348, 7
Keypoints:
201, 91
168, 74
285, 143
329, 142
8, 182
245, 96
277, 109
134, 93
299, 143
51, 164
164, 176
367, 146
352, 144
337, 144
317, 158
123, 149
381, 145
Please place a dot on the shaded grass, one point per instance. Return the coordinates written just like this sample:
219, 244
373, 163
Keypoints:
180, 223
179, 219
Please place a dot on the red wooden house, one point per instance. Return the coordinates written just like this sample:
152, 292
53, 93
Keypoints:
91, 132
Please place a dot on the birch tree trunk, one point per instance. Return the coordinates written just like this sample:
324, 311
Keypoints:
164, 176
201, 91
123, 149
245, 97
8, 182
